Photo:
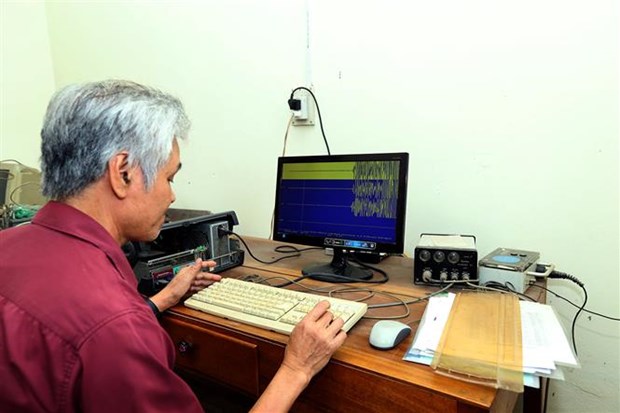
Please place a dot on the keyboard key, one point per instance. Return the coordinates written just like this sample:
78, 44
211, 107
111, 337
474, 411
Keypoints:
268, 307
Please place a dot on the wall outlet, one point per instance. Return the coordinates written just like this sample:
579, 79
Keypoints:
305, 115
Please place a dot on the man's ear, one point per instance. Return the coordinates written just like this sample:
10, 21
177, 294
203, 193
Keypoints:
120, 174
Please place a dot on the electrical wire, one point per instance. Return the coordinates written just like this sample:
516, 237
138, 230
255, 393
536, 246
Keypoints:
557, 275
316, 103
280, 249
331, 292
565, 276
288, 127
585, 310
499, 287
296, 252
394, 317
335, 278
290, 249
10, 176
353, 258
19, 187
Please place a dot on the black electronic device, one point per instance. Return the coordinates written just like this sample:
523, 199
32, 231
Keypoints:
180, 243
443, 258
349, 203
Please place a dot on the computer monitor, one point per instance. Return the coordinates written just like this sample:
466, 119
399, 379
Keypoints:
20, 184
351, 203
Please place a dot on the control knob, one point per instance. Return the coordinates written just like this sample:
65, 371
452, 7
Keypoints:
424, 255
453, 257
439, 256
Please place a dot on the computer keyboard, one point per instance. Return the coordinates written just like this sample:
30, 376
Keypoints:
268, 307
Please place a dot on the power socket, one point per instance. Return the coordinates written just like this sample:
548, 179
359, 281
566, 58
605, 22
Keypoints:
302, 113
305, 115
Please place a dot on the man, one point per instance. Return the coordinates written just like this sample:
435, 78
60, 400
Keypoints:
75, 335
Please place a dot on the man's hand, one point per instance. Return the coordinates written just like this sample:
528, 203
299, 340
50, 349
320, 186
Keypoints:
188, 280
312, 343
314, 340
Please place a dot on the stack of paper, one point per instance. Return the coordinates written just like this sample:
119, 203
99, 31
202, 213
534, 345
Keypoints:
545, 346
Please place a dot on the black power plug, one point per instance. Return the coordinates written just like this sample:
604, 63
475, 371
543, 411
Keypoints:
294, 104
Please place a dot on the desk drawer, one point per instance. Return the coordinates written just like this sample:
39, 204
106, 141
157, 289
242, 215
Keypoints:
222, 358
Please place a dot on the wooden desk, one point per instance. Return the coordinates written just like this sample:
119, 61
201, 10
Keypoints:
357, 379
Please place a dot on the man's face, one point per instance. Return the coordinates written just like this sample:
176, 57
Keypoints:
149, 207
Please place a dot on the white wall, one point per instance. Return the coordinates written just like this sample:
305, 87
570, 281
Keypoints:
508, 109
26, 79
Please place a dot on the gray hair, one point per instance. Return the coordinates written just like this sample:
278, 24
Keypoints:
86, 125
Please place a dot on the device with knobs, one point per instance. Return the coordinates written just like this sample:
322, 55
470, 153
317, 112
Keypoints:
441, 258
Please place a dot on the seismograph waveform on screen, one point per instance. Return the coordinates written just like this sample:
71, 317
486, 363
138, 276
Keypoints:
375, 188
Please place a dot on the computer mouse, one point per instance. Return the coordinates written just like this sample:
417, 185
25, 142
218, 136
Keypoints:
387, 334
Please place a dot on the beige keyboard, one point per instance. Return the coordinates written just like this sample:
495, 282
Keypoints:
268, 307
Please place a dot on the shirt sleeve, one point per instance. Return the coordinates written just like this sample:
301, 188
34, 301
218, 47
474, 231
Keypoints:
126, 365
152, 306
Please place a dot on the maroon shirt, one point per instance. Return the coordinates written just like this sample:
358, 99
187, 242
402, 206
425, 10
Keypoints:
75, 335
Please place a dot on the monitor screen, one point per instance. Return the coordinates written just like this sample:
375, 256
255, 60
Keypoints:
351, 203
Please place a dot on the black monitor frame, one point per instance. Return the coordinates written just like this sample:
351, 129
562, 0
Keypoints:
345, 245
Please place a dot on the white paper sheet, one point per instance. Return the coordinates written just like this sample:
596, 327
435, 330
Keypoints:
544, 341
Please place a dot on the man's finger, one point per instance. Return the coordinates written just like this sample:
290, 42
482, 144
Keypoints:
336, 324
209, 264
319, 310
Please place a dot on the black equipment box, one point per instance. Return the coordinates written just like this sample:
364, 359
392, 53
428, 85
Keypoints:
440, 259
179, 243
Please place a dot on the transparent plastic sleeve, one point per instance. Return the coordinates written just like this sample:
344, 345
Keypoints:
482, 342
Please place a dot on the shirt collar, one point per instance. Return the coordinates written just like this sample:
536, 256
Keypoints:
64, 218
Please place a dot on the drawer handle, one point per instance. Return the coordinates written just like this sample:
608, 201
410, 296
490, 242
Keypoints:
184, 346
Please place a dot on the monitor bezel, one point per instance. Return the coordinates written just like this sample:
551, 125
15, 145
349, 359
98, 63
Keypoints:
381, 247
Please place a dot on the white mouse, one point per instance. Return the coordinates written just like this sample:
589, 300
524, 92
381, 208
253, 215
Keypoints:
387, 334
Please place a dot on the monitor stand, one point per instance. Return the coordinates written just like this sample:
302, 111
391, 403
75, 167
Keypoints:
340, 270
